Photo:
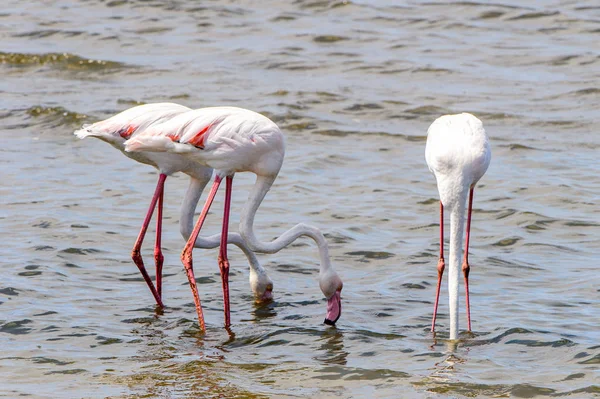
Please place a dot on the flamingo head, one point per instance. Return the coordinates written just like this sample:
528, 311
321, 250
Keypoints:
331, 285
261, 286
267, 295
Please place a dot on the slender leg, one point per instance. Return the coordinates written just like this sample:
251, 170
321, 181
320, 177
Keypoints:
465, 266
186, 255
223, 261
158, 256
135, 253
440, 267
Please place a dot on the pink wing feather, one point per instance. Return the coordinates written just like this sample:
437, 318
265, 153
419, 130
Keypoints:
131, 121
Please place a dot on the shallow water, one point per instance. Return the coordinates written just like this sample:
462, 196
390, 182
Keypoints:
354, 85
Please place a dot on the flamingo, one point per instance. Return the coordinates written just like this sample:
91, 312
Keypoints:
232, 140
115, 131
458, 154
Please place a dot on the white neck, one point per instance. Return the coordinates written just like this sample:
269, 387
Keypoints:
186, 225
457, 218
188, 206
256, 196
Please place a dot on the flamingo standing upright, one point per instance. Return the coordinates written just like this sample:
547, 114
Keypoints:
234, 140
115, 131
458, 154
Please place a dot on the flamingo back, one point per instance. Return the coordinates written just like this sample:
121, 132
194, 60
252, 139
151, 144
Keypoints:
118, 128
457, 153
229, 139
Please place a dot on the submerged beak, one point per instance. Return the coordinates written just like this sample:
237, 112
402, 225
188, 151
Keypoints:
267, 295
334, 308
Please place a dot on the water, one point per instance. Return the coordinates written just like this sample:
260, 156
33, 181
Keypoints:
354, 85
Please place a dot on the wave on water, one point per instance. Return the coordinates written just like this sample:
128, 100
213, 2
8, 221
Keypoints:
55, 116
59, 60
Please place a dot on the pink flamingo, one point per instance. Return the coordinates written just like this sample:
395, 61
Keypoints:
232, 140
458, 154
115, 131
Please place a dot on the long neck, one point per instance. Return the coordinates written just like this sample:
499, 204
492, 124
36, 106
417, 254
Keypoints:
188, 206
457, 217
256, 196
186, 225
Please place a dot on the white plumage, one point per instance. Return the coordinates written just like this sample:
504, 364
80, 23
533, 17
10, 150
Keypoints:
131, 122
458, 154
234, 140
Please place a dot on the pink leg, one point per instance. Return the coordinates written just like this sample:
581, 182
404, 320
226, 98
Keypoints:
186, 255
223, 261
158, 256
440, 267
465, 266
135, 253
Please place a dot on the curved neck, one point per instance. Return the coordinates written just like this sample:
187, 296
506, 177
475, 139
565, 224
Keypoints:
186, 225
457, 218
255, 198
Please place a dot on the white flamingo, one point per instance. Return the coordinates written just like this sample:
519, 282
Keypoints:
115, 131
232, 140
458, 154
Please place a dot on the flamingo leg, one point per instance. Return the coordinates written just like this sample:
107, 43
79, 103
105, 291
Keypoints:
440, 267
158, 256
465, 266
223, 261
135, 252
186, 255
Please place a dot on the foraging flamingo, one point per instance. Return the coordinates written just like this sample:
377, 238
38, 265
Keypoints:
458, 154
232, 140
115, 131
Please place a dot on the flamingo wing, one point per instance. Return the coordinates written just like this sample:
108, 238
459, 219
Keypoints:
122, 126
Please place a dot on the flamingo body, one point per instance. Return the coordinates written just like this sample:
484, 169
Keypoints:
124, 125
458, 154
231, 139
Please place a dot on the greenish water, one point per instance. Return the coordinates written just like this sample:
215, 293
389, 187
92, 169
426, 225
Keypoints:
354, 86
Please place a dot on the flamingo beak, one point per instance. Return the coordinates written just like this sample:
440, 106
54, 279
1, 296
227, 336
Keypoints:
334, 308
267, 295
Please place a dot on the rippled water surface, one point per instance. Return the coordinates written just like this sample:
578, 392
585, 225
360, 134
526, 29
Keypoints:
354, 86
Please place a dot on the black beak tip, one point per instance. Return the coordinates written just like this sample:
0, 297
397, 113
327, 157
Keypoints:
329, 322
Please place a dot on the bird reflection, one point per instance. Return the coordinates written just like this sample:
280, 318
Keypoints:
264, 310
446, 370
332, 348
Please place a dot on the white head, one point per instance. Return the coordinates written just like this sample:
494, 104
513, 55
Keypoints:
331, 285
261, 285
